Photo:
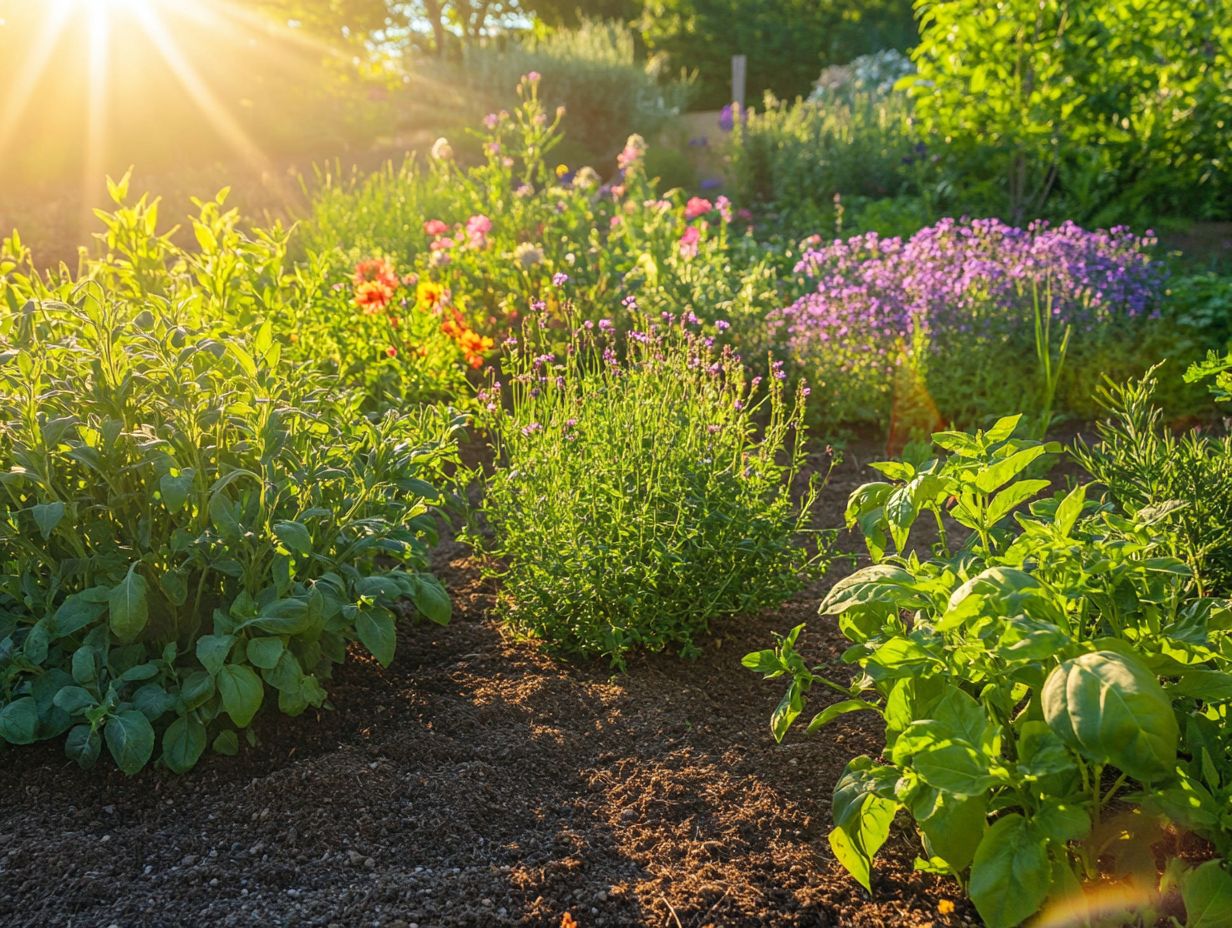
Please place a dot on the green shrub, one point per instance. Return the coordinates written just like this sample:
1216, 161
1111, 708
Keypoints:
635, 503
1040, 673
794, 159
190, 528
1093, 110
593, 70
786, 41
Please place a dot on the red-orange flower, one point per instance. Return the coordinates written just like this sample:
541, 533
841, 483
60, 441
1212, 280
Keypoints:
373, 295
391, 351
378, 271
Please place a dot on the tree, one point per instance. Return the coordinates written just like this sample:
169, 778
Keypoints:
787, 41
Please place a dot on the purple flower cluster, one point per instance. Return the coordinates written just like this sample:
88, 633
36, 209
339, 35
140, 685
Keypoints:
965, 279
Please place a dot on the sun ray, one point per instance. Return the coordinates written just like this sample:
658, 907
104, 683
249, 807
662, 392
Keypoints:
32, 68
96, 110
151, 23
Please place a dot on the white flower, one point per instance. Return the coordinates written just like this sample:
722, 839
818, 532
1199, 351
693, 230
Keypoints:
442, 150
528, 255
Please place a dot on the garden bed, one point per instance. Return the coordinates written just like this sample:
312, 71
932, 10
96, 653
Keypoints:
477, 782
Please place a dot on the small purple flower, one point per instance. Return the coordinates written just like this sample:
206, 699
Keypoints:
560, 278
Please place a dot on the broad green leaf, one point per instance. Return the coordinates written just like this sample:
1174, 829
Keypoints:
295, 536
1010, 874
831, 712
19, 721
955, 767
129, 609
197, 689
377, 632
1214, 686
175, 490
47, 516
153, 701
951, 826
787, 711
265, 652
212, 651
1070, 508
183, 744
83, 745
1110, 708
432, 600
242, 693
1013, 496
130, 739
862, 816
227, 743
996, 475
1207, 893
75, 613
1002, 429
74, 700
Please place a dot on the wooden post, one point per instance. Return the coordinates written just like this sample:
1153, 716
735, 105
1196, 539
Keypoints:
740, 65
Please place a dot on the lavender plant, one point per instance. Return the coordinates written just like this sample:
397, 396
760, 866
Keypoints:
635, 502
958, 300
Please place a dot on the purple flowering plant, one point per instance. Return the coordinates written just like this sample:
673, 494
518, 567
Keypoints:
957, 303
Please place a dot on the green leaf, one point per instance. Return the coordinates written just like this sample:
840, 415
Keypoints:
862, 817
1003, 471
83, 745
264, 652
130, 739
1013, 496
787, 711
74, 700
175, 490
242, 693
1110, 708
153, 701
377, 632
1010, 873
47, 516
19, 721
1070, 508
955, 767
212, 651
831, 712
129, 610
1207, 893
951, 827
183, 744
227, 743
197, 689
432, 600
295, 537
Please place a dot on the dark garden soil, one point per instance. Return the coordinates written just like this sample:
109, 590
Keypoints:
478, 782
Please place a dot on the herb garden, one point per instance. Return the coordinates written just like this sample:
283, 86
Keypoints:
421, 558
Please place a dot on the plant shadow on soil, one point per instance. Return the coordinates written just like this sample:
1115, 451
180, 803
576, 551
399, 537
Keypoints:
479, 782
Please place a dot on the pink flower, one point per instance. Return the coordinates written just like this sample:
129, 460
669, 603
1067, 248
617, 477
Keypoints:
723, 205
688, 242
435, 227
697, 206
477, 229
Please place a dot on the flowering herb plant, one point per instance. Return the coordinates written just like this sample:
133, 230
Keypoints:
635, 502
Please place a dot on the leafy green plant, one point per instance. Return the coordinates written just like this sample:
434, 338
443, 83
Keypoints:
635, 503
191, 528
1038, 676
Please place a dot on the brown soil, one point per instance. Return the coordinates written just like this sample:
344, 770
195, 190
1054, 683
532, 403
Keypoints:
478, 782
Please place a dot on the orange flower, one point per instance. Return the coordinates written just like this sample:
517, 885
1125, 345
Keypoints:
391, 351
567, 921
373, 295
375, 270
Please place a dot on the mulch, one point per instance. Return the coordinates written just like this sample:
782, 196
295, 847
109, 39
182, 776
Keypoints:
479, 782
